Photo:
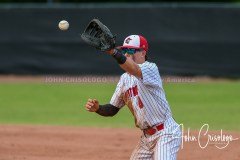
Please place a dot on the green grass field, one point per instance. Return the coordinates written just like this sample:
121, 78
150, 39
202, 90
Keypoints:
193, 104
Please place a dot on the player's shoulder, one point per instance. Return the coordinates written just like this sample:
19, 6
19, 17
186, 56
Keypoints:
149, 65
124, 75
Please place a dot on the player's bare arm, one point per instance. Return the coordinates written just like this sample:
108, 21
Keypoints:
126, 63
106, 110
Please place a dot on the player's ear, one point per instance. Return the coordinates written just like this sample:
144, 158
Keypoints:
144, 53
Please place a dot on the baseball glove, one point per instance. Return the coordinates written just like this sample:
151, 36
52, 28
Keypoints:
99, 36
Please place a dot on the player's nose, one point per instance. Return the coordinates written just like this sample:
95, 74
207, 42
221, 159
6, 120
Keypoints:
127, 55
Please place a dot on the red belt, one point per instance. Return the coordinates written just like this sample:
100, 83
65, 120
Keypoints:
153, 130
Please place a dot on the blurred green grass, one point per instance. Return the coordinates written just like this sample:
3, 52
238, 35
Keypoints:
193, 104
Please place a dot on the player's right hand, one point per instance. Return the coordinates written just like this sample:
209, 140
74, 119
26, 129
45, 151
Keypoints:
92, 105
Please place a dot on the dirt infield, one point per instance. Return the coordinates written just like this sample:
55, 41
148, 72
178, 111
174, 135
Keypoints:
74, 143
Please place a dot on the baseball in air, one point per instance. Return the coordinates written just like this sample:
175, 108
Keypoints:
63, 25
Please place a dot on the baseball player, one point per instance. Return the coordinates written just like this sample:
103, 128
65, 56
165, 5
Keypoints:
140, 88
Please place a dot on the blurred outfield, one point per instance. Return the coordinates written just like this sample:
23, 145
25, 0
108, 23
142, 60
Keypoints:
193, 104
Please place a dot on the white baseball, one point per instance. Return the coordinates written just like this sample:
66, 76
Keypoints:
63, 25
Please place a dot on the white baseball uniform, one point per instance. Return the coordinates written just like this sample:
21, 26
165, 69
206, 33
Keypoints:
146, 100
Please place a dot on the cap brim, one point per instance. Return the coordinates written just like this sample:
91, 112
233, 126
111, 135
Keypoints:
129, 47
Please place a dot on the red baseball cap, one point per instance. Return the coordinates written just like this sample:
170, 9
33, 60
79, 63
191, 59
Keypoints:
135, 41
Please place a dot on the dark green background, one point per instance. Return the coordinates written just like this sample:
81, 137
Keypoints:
72, 1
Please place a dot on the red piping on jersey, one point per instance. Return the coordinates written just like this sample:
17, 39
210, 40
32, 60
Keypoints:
132, 92
140, 104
